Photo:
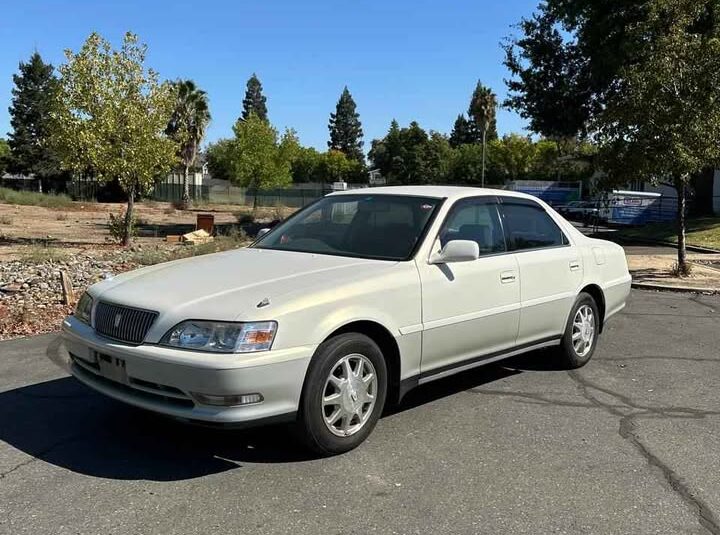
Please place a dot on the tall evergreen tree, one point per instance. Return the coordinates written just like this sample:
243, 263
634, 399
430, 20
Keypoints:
35, 87
463, 132
254, 101
345, 128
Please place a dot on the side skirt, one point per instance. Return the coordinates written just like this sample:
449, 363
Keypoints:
457, 367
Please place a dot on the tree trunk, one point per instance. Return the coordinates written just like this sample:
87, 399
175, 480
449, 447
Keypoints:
186, 187
681, 189
127, 238
557, 160
482, 180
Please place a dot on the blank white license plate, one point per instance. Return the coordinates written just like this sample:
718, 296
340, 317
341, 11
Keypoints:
112, 368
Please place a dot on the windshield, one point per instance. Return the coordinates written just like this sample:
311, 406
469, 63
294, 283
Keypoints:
385, 227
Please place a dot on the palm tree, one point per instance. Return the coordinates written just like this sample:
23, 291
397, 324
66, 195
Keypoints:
482, 111
187, 126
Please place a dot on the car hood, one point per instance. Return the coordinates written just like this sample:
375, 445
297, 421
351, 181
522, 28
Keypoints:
231, 284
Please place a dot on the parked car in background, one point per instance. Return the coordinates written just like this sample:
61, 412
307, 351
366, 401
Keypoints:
345, 307
585, 211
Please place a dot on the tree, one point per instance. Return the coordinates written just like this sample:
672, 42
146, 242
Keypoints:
551, 83
110, 116
583, 65
254, 101
513, 155
385, 153
438, 155
4, 155
187, 126
305, 167
467, 164
411, 156
217, 155
345, 128
256, 158
335, 166
289, 146
35, 87
482, 111
463, 132
662, 120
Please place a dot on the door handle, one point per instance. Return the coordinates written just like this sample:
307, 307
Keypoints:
574, 265
507, 277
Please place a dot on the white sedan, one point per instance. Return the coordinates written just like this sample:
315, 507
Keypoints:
345, 307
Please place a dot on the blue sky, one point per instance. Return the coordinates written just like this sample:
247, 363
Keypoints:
404, 59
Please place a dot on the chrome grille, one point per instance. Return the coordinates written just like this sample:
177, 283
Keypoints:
122, 323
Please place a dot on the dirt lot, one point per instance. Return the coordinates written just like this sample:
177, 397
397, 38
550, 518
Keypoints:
83, 226
658, 269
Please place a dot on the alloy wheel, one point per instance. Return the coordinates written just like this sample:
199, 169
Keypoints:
583, 331
349, 395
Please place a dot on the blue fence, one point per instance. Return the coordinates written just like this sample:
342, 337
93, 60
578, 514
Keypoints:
623, 209
553, 193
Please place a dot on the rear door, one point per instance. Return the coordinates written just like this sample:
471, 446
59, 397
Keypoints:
551, 269
469, 309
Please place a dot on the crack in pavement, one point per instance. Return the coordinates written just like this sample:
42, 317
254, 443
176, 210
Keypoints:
38, 456
627, 430
536, 399
629, 412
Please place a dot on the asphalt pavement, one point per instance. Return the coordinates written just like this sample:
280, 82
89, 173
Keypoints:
626, 445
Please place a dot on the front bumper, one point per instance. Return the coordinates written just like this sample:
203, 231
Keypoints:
162, 379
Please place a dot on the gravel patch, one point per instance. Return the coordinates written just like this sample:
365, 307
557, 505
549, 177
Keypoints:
31, 296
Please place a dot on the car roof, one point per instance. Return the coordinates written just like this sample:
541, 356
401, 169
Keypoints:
438, 192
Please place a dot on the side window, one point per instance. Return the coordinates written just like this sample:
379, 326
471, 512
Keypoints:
476, 220
528, 226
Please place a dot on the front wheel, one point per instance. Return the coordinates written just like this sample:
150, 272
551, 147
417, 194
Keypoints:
343, 395
581, 333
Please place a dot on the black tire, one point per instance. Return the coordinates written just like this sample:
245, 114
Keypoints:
311, 426
568, 355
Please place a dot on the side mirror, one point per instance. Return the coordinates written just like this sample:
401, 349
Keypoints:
262, 232
456, 251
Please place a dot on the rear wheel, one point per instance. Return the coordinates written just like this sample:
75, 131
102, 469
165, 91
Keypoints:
581, 333
343, 395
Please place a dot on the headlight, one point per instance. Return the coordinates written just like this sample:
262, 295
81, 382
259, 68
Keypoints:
221, 337
83, 310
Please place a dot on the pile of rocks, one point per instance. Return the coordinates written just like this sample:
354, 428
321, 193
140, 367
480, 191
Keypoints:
31, 294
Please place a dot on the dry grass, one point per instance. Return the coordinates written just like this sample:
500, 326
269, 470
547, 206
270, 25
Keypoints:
150, 256
33, 198
39, 254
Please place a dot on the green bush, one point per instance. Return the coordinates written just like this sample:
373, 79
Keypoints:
116, 226
33, 198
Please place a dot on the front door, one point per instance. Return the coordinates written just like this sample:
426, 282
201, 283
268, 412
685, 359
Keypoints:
469, 309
